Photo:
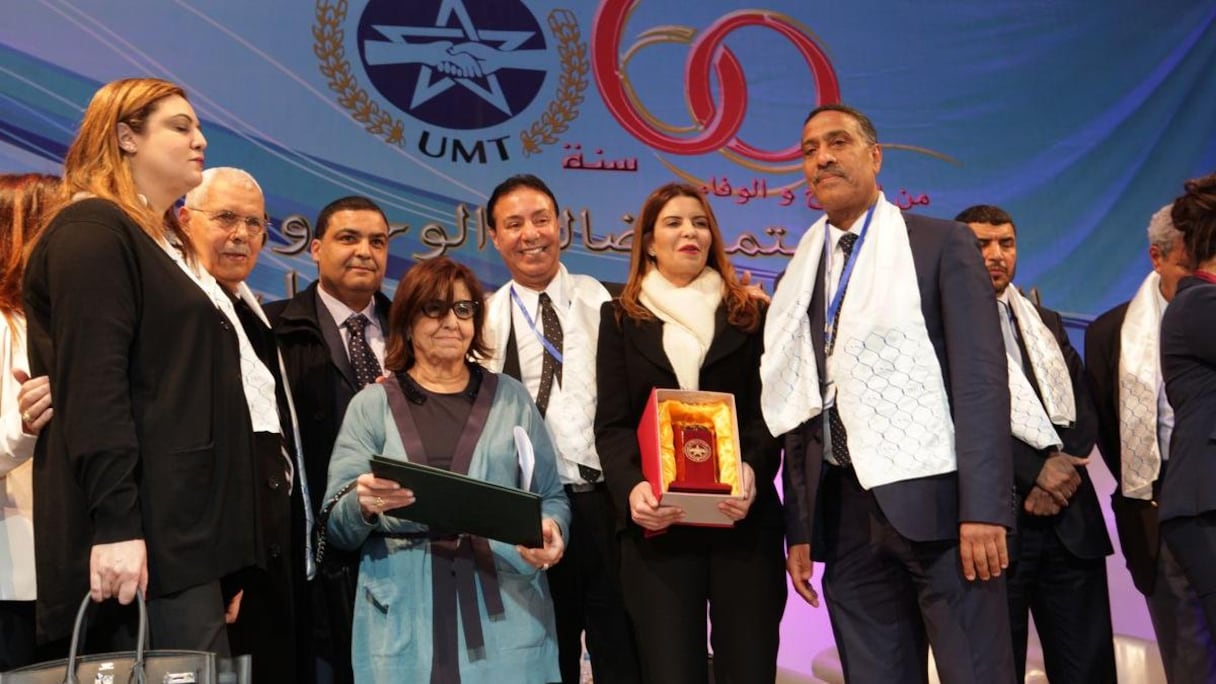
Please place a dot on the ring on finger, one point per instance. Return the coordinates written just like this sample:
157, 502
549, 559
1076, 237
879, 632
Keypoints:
25, 417
544, 566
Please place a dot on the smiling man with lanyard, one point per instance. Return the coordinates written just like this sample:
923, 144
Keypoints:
885, 369
544, 326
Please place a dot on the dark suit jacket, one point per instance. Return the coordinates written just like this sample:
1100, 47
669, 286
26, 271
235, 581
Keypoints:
1135, 519
151, 437
1080, 527
960, 314
630, 361
1188, 365
319, 372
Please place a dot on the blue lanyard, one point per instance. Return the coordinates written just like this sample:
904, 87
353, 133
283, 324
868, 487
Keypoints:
540, 337
829, 331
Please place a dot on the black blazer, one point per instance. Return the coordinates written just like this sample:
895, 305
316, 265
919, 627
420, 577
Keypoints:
1188, 365
151, 437
319, 372
1080, 526
630, 361
960, 315
1135, 520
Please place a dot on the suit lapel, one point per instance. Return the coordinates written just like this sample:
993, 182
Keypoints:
727, 338
333, 340
650, 343
818, 310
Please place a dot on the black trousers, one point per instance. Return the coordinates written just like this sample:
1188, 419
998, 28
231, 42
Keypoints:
587, 595
1071, 606
16, 634
265, 625
1192, 540
889, 598
669, 579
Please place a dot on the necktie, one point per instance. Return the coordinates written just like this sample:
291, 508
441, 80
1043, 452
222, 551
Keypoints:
839, 436
362, 359
551, 368
1009, 332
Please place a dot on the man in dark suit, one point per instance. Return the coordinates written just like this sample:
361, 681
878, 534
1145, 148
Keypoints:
1188, 649
1057, 568
918, 560
332, 336
225, 217
522, 214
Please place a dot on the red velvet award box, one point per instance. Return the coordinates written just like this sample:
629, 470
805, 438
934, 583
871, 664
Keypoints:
690, 452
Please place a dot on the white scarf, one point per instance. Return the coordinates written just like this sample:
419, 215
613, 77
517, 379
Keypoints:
688, 314
571, 421
1032, 419
882, 356
1139, 379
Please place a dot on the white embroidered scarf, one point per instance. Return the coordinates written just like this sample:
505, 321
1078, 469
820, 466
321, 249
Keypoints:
1139, 379
688, 316
1032, 419
889, 386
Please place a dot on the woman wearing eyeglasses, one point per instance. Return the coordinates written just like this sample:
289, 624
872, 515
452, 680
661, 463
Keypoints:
412, 604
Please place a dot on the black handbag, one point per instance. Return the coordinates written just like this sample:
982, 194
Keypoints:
143, 666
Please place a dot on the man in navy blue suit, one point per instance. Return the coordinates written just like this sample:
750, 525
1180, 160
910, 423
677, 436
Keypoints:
914, 546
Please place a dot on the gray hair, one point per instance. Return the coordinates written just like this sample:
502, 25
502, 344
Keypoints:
1161, 231
233, 175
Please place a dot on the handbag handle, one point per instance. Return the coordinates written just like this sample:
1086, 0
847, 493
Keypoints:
137, 669
319, 531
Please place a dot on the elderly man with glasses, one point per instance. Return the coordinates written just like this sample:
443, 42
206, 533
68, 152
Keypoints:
225, 217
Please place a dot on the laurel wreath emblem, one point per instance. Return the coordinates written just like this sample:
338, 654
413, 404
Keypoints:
573, 81
327, 46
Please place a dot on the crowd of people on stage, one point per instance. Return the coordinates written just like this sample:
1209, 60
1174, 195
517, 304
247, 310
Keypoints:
170, 439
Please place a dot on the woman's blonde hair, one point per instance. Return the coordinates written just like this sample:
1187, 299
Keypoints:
96, 165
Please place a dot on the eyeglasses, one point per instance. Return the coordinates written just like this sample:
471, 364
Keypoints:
464, 308
228, 220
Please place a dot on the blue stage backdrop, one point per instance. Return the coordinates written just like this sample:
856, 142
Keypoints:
1080, 118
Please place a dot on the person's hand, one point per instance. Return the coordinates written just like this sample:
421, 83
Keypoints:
377, 495
1059, 476
736, 509
754, 291
800, 568
645, 510
34, 401
234, 608
117, 570
548, 556
982, 549
1039, 502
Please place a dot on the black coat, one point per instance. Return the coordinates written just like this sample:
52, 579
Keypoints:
151, 437
1188, 366
1135, 519
319, 372
630, 361
1080, 526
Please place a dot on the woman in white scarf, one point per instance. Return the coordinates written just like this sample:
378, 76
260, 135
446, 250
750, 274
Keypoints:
684, 321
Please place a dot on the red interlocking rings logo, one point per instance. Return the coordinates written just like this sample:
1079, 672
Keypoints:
717, 120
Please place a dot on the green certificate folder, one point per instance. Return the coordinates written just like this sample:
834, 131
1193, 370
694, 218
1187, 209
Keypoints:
448, 502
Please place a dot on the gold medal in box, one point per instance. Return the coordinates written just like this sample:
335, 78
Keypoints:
700, 453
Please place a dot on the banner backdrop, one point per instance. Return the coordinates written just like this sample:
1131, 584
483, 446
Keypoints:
1079, 118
